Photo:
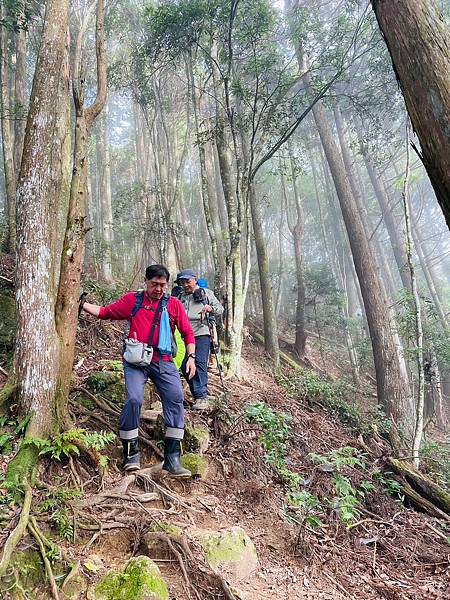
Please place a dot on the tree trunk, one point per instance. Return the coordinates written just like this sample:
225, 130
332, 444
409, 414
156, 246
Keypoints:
207, 188
269, 317
104, 187
418, 40
7, 138
417, 309
20, 83
393, 227
40, 185
296, 228
429, 278
66, 310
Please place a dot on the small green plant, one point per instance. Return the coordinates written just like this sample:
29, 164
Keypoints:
348, 498
274, 439
389, 485
309, 505
275, 431
64, 444
347, 456
10, 430
56, 505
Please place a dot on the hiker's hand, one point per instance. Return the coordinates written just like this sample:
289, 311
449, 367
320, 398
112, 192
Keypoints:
81, 302
206, 309
190, 367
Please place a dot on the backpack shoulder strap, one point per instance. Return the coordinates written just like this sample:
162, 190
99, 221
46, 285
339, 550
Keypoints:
139, 301
165, 301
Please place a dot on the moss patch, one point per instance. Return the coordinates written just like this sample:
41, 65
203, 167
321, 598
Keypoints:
139, 580
158, 526
76, 588
196, 464
196, 438
98, 381
231, 552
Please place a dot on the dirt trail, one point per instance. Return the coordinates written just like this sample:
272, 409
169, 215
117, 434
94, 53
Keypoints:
391, 551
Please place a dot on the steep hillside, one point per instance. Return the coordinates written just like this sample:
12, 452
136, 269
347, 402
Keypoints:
288, 502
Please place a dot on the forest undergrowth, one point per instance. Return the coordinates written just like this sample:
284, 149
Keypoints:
291, 460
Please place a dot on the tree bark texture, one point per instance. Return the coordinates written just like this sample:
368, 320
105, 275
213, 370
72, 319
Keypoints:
20, 91
105, 197
7, 138
73, 249
418, 40
38, 198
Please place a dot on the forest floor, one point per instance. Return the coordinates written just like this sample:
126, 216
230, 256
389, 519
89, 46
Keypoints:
387, 551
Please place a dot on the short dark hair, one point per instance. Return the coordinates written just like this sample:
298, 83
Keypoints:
157, 271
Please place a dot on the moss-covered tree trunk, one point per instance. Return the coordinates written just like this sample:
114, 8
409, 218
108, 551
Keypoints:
39, 194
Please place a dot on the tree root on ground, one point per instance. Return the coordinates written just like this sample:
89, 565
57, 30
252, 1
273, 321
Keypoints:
144, 477
35, 532
196, 572
18, 532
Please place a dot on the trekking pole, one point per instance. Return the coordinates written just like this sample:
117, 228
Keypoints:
214, 350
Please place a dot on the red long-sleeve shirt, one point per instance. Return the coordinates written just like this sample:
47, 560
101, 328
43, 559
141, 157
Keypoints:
141, 323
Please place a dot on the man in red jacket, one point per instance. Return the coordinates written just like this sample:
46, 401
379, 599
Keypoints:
162, 371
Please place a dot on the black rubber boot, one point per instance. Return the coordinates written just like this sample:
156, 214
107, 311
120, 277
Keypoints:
131, 456
172, 453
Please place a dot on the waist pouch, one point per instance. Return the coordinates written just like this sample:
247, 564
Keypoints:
137, 353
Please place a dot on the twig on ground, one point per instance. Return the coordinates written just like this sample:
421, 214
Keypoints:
336, 582
437, 532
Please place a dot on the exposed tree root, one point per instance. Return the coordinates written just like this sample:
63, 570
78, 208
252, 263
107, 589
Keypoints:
144, 476
17, 533
34, 530
193, 567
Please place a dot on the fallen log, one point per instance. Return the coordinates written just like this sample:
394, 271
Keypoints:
420, 490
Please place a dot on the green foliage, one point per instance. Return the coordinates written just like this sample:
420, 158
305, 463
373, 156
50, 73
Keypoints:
275, 431
103, 294
55, 504
10, 429
435, 461
347, 498
309, 505
274, 439
306, 384
390, 486
64, 445
347, 456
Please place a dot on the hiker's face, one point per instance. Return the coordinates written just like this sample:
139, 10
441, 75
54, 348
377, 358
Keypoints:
188, 285
156, 286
